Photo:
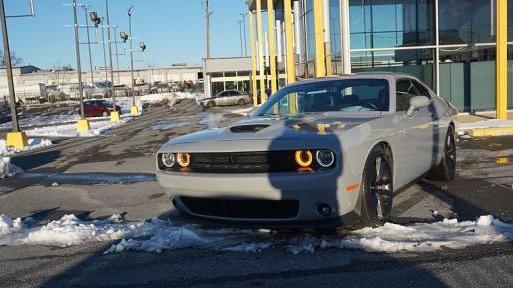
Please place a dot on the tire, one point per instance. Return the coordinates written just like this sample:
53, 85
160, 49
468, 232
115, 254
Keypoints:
377, 191
105, 114
211, 104
241, 102
446, 169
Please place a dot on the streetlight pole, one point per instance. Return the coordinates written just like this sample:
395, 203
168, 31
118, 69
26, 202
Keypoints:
8, 68
117, 53
130, 9
89, 43
104, 54
114, 115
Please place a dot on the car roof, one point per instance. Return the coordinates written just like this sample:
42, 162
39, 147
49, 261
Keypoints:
391, 76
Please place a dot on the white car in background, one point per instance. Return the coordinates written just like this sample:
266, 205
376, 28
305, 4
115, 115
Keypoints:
227, 98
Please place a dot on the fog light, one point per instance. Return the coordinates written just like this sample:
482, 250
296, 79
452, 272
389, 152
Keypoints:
325, 158
324, 210
183, 159
304, 158
168, 159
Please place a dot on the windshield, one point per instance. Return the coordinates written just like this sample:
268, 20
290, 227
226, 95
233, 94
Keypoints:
349, 95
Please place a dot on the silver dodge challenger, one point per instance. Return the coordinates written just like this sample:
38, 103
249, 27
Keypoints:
330, 151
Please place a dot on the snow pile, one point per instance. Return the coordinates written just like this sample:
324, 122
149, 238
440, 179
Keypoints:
492, 123
70, 130
157, 235
69, 231
7, 169
244, 111
9, 225
32, 144
172, 98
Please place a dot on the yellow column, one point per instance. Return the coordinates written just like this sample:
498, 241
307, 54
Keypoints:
502, 60
291, 65
253, 58
320, 64
272, 47
260, 37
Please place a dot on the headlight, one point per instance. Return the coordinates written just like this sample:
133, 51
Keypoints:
325, 158
183, 159
304, 158
168, 159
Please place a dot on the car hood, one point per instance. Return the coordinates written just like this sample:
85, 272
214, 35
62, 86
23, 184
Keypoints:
260, 133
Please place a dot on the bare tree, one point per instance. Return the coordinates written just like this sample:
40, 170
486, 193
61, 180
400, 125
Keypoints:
15, 61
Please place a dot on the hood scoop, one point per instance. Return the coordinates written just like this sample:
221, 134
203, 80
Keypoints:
248, 128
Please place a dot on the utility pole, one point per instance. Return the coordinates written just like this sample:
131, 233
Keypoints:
105, 55
8, 68
82, 124
241, 41
207, 28
114, 115
206, 82
244, 33
89, 43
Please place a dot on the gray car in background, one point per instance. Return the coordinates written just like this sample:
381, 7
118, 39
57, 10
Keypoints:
333, 150
227, 98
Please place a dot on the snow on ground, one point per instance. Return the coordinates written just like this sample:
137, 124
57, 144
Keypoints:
492, 123
243, 111
91, 178
156, 235
70, 130
7, 169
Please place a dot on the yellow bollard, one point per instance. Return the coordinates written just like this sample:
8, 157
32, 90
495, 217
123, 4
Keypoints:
134, 111
83, 126
114, 116
17, 140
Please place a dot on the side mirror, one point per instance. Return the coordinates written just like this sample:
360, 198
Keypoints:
417, 102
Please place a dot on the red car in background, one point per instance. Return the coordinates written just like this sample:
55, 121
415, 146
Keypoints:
99, 108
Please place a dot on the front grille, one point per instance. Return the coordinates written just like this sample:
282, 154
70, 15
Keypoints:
244, 209
241, 162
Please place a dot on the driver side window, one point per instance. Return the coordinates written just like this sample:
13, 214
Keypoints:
404, 93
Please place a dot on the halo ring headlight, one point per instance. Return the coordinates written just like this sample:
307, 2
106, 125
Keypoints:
325, 158
168, 159
304, 158
183, 159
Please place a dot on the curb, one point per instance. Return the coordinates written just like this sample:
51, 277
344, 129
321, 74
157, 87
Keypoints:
491, 132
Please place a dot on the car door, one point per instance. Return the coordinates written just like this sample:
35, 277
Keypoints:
221, 98
420, 129
233, 98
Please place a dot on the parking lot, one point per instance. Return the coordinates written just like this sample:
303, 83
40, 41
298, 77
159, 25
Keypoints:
94, 178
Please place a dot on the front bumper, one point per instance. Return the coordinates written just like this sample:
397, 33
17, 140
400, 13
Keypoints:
308, 190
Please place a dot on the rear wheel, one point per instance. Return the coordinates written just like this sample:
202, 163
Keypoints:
377, 189
446, 170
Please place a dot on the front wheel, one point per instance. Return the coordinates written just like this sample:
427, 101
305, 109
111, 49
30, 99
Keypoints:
446, 169
377, 187
242, 102
211, 104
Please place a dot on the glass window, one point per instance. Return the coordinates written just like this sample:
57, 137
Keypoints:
391, 23
466, 21
328, 96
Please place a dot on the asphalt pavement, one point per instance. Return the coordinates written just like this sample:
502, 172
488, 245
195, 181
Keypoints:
94, 178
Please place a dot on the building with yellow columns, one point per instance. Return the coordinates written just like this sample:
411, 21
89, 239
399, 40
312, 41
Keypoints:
449, 44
